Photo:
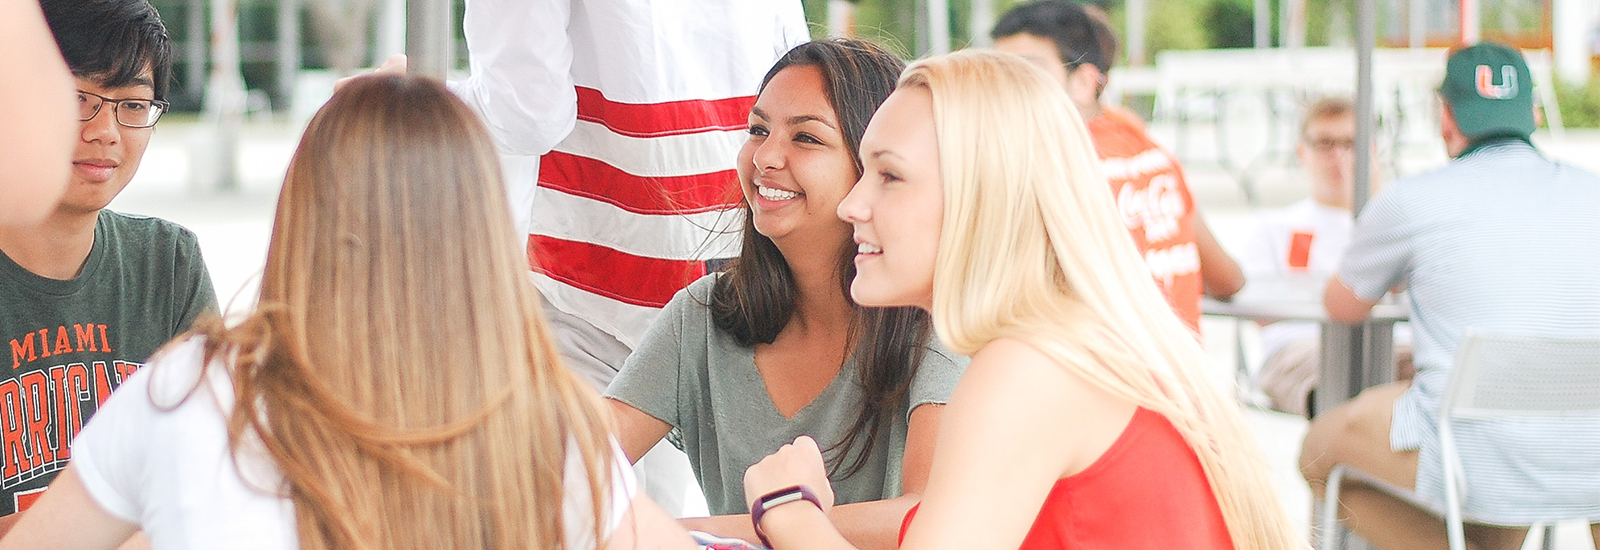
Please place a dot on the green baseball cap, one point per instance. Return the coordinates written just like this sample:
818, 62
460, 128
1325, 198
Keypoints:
1489, 91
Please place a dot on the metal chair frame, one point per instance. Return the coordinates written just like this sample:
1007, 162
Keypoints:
1494, 376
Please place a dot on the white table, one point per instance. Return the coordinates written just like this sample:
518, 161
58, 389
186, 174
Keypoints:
1354, 357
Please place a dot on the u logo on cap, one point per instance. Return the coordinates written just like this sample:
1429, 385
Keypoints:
1506, 89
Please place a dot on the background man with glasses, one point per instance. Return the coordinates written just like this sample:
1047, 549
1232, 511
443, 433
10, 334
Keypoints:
88, 294
1306, 239
1076, 47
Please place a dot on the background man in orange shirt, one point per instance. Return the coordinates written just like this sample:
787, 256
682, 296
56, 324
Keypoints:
1077, 47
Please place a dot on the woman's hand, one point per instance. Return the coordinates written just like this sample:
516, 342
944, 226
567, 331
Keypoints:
798, 463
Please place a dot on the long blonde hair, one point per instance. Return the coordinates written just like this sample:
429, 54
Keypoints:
397, 369
1032, 247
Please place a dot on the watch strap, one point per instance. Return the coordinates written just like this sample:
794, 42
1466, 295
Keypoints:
774, 499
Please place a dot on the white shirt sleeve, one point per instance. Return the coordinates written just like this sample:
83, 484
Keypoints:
521, 86
575, 506
521, 72
112, 452
108, 462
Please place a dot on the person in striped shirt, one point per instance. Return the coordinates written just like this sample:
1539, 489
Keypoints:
618, 122
1500, 240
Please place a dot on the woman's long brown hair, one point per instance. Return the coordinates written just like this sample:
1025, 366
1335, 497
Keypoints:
397, 369
754, 301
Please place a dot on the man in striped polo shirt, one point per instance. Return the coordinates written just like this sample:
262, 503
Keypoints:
1500, 240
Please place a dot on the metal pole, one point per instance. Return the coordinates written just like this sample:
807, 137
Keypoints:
920, 17
195, 49
1136, 46
1348, 350
1292, 24
841, 18
939, 26
1570, 50
215, 167
982, 21
1263, 24
429, 49
1470, 31
1417, 17
1366, 37
390, 36
288, 52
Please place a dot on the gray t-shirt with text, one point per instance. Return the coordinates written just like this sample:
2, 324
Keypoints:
71, 342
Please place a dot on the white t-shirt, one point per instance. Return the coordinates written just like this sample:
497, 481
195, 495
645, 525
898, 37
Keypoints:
1306, 238
1324, 230
155, 458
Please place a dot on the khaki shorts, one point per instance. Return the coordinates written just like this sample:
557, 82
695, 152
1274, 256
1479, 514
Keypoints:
1288, 376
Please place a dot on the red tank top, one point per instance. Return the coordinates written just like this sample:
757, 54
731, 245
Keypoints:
1146, 492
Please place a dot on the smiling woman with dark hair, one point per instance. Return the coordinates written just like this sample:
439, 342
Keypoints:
741, 362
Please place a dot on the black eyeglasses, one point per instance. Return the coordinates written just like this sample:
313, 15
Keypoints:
1328, 145
1047, 64
133, 113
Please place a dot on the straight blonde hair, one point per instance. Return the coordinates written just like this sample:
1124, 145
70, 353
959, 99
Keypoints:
1032, 247
397, 369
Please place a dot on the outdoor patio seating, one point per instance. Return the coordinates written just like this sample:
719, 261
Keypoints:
1493, 377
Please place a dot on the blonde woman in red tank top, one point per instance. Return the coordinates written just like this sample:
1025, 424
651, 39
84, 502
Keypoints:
1085, 420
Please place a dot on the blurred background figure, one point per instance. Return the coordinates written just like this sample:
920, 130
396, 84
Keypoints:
1077, 47
1304, 241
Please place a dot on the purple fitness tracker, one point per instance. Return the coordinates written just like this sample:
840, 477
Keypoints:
775, 499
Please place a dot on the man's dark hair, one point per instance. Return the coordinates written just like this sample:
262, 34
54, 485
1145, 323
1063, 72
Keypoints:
1081, 36
112, 42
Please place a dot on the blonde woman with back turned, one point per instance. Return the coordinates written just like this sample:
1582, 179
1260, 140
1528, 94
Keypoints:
396, 387
1084, 420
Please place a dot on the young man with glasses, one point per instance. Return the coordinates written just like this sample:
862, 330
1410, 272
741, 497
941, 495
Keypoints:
1076, 48
1306, 239
88, 294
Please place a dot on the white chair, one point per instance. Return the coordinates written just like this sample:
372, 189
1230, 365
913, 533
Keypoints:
1493, 377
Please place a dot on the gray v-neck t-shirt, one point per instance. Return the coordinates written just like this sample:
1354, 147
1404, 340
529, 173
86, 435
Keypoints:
698, 379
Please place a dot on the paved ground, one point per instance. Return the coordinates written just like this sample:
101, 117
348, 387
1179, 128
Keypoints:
234, 229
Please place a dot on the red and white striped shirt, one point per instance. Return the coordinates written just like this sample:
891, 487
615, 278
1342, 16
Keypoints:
620, 121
